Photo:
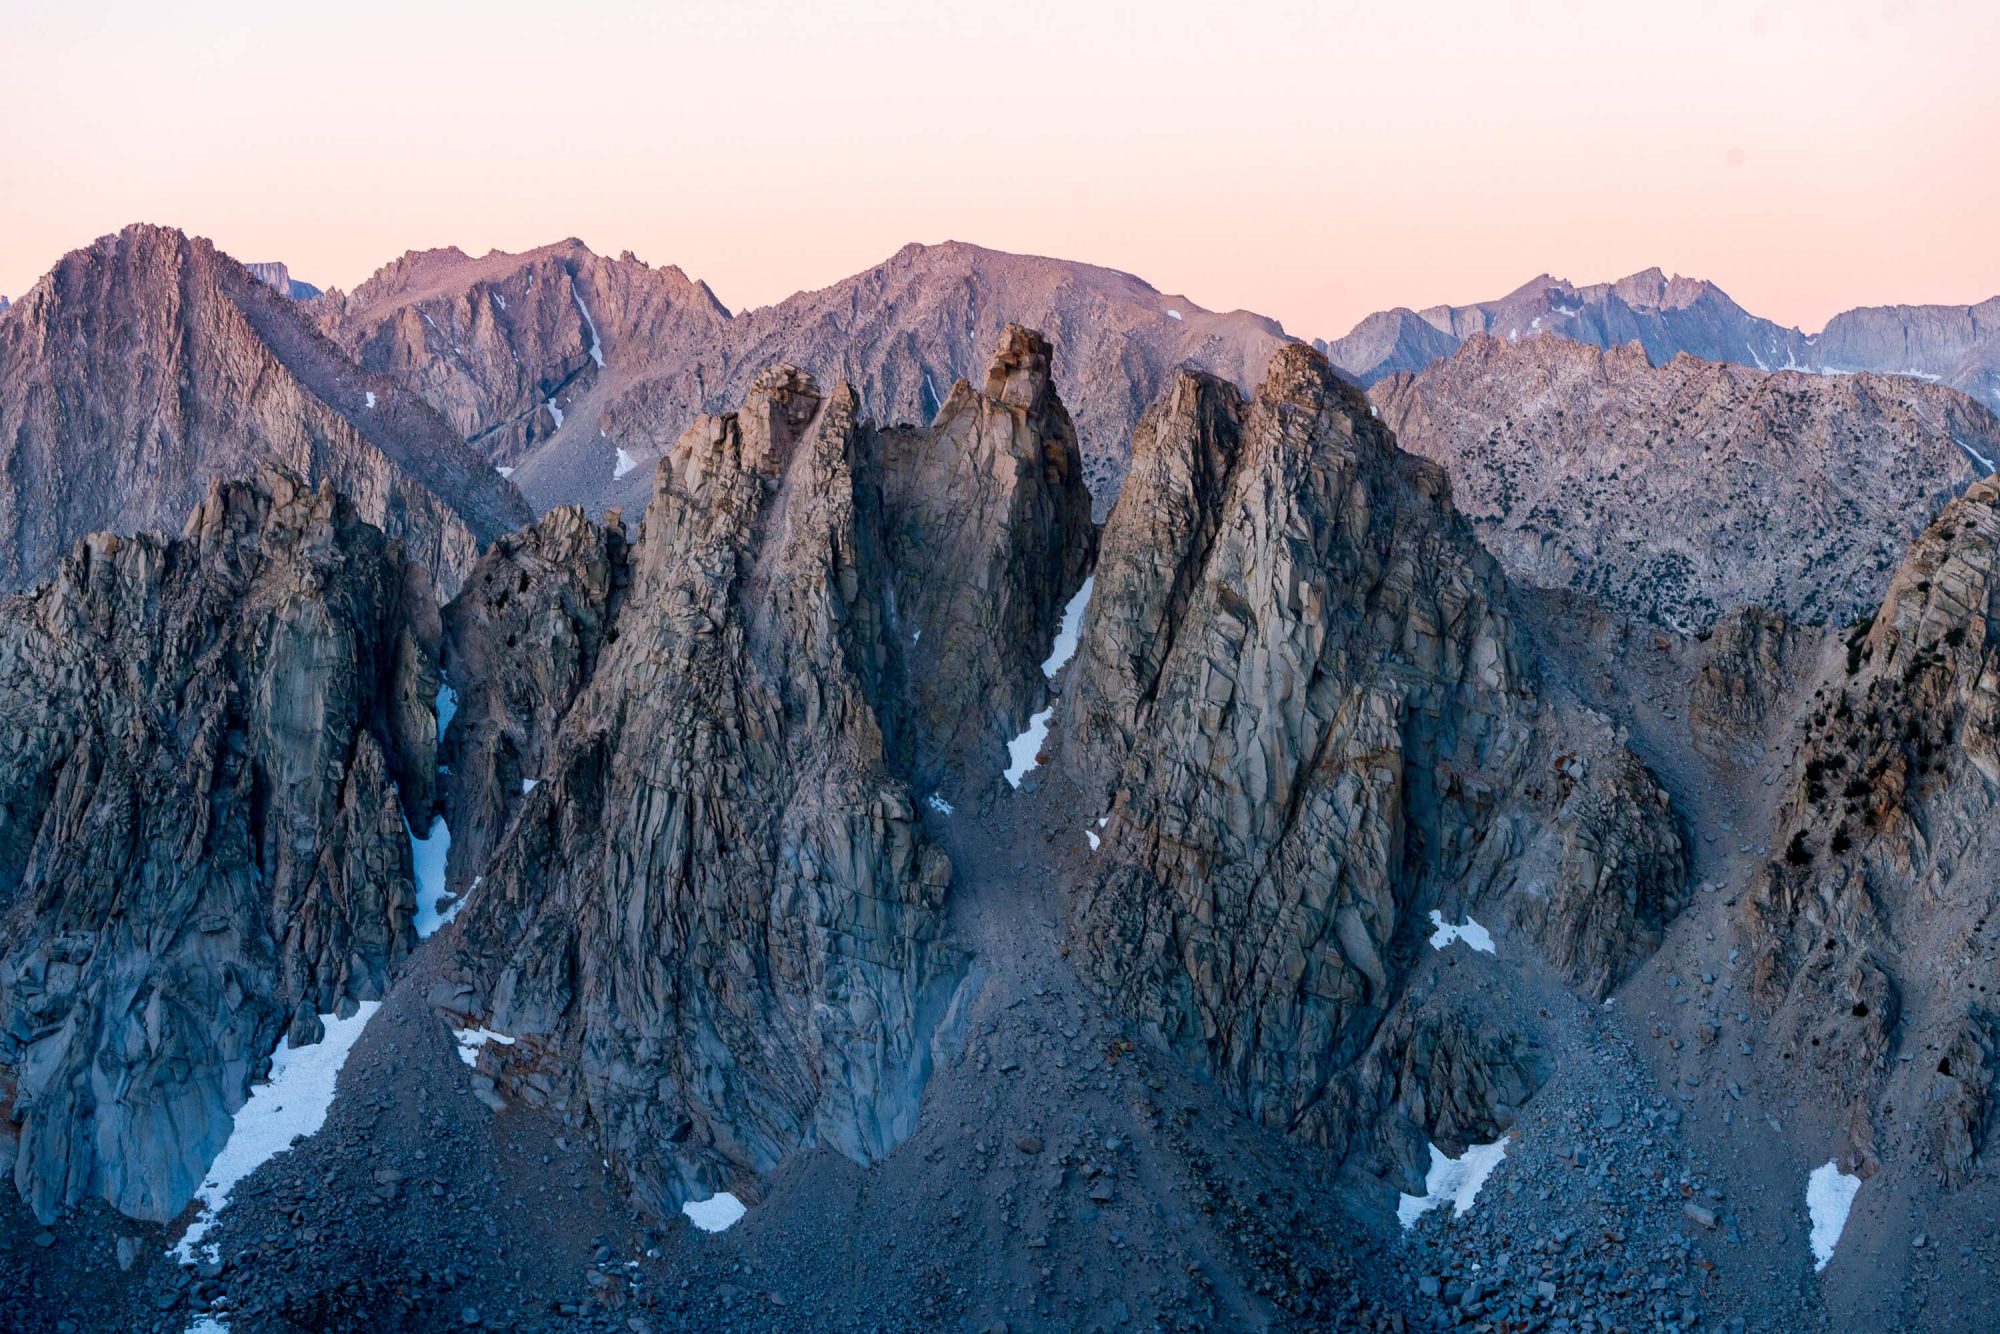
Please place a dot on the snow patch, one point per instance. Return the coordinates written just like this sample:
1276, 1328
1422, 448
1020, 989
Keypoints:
596, 347
470, 1040
554, 411
1985, 463
1173, 315
427, 856
1021, 751
1472, 933
1754, 357
937, 803
1072, 625
292, 1104
716, 1213
1453, 1180
1095, 841
529, 785
371, 398
504, 471
626, 463
459, 902
446, 706
1829, 1195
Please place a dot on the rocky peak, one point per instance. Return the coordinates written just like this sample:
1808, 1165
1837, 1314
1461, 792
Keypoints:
214, 744
1304, 707
150, 364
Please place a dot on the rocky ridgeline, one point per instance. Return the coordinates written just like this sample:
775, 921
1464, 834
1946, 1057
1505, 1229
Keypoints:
1301, 699
1875, 925
1676, 492
713, 931
212, 745
149, 365
490, 341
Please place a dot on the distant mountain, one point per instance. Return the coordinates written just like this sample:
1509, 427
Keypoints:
1663, 315
1959, 345
274, 275
579, 371
149, 364
1955, 345
1676, 492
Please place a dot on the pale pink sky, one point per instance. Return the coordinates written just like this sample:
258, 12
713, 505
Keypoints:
1308, 159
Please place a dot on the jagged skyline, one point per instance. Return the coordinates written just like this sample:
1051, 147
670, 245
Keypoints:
1307, 163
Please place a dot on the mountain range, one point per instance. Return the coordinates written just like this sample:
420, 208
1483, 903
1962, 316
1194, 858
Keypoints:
602, 812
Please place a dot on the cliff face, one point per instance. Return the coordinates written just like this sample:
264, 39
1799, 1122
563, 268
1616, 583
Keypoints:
1301, 696
1673, 493
142, 369
713, 929
1958, 345
212, 745
1874, 922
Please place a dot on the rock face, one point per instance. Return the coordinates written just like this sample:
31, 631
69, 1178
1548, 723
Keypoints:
149, 365
1303, 700
522, 639
1959, 345
201, 831
276, 276
1874, 922
514, 348
713, 928
1675, 492
993, 493
1665, 316
1751, 661
489, 341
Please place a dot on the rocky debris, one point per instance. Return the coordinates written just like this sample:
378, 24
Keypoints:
213, 745
1675, 492
1336, 729
1751, 662
1872, 922
488, 341
147, 366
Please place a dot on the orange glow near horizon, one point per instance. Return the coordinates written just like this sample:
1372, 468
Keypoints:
1313, 161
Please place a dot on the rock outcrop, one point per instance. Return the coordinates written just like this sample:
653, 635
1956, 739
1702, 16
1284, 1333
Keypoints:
1751, 661
1874, 921
987, 533
1302, 699
1676, 492
713, 929
149, 365
212, 746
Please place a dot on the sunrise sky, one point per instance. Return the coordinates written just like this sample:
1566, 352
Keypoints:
1313, 161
